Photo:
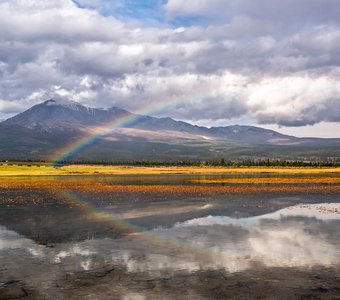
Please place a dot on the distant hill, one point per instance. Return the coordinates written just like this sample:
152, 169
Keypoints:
39, 131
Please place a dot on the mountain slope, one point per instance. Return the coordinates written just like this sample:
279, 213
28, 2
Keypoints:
48, 126
51, 114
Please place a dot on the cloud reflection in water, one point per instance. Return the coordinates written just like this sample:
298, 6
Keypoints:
300, 236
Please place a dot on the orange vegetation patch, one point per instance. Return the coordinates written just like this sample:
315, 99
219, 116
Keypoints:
89, 186
210, 190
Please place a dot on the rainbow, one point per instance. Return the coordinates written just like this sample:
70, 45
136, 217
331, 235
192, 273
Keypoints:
152, 237
98, 213
65, 153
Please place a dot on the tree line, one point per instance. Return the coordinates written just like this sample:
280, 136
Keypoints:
197, 163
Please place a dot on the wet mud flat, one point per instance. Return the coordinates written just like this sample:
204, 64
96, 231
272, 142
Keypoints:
169, 237
274, 283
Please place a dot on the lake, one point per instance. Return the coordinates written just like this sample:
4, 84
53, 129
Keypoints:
170, 237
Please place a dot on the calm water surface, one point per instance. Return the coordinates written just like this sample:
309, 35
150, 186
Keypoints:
229, 246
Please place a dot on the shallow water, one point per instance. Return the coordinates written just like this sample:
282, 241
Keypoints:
151, 245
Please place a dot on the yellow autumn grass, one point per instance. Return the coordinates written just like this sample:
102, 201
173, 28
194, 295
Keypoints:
37, 170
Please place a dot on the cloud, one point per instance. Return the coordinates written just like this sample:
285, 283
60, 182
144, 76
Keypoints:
54, 21
251, 63
286, 100
295, 100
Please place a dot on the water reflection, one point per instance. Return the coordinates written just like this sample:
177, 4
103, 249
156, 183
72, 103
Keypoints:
302, 235
295, 236
93, 245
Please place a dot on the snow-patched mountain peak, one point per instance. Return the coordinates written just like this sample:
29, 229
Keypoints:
65, 103
69, 104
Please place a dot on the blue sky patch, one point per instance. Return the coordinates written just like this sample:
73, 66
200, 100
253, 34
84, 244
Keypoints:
149, 12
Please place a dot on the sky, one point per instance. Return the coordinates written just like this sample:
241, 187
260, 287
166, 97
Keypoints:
270, 63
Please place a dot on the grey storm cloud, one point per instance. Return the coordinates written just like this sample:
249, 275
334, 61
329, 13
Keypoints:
276, 62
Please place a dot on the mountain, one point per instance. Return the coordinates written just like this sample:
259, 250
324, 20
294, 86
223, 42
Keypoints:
53, 114
44, 128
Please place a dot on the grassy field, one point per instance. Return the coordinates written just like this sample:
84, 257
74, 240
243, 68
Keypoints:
23, 184
46, 170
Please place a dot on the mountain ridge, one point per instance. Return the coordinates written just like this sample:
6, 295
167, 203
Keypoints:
73, 113
53, 121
